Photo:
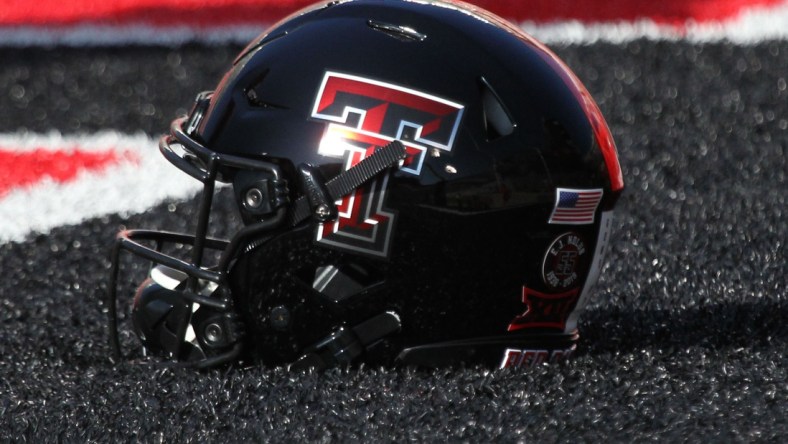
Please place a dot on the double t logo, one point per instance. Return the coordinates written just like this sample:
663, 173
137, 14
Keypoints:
365, 115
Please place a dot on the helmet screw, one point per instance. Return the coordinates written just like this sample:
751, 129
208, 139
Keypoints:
322, 211
253, 198
280, 317
213, 333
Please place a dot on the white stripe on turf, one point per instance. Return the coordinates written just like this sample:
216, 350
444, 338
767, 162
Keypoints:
752, 26
140, 180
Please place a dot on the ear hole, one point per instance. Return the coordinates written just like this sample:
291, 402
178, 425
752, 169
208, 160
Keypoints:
497, 120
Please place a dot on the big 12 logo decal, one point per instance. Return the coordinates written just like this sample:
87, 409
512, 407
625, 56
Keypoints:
365, 115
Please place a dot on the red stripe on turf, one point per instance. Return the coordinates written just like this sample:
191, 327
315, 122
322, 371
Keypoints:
223, 12
25, 168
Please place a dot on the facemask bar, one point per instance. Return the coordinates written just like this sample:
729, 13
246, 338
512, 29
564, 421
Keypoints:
203, 164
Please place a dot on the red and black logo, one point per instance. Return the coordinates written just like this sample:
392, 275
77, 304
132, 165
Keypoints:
513, 357
365, 115
545, 310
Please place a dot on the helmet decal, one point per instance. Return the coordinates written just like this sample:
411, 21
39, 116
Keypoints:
545, 310
575, 207
564, 262
513, 357
365, 115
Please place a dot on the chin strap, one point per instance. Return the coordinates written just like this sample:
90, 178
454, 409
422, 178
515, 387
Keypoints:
318, 199
345, 345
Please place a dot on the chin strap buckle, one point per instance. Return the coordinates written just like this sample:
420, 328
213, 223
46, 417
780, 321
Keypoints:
316, 193
319, 197
345, 345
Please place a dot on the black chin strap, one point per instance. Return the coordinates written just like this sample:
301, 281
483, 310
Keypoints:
346, 344
319, 198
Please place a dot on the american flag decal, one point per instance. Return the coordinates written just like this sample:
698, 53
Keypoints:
575, 207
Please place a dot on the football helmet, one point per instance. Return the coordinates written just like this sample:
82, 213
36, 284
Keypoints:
420, 183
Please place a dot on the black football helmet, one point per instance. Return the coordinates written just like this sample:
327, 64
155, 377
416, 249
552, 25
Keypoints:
420, 183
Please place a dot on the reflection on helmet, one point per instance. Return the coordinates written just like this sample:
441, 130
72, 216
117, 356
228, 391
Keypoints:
420, 184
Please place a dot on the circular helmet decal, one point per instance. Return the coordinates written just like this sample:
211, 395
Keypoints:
564, 262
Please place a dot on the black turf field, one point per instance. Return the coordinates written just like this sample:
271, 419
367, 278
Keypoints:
685, 339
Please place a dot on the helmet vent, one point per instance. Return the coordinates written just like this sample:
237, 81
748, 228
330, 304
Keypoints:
497, 120
255, 91
399, 32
